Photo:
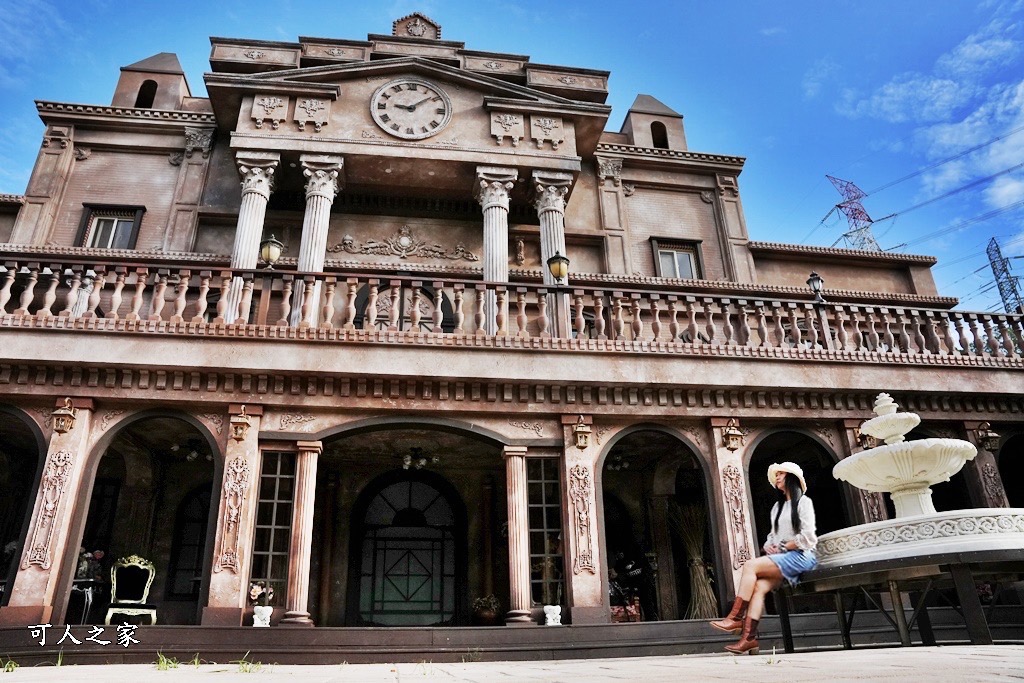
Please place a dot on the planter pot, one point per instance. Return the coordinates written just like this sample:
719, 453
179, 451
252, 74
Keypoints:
487, 618
261, 615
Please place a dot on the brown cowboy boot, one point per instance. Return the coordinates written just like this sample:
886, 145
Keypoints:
747, 644
733, 622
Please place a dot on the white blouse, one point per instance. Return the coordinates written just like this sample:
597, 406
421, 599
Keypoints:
807, 539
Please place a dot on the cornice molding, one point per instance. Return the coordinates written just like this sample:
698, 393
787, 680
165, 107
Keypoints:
91, 110
811, 250
650, 152
12, 199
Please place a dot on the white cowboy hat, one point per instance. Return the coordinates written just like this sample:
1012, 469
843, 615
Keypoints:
790, 467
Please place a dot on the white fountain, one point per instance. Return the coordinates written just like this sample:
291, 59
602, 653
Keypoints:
907, 470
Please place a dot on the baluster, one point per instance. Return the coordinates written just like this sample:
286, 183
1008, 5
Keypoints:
993, 337
951, 335
673, 318
415, 314
916, 325
306, 305
727, 328
350, 305
28, 294
979, 335
858, 334
888, 339
812, 329
395, 293
934, 344
370, 317
478, 316
286, 299
10, 270
245, 304
579, 320
618, 324
179, 296
99, 280
637, 325
762, 324
438, 307
222, 301
521, 312
51, 292
115, 299
201, 298
501, 316
327, 312
872, 337
691, 320
655, 318
141, 274
901, 331
599, 316
743, 334
1008, 337
795, 335
157, 304
709, 319
841, 335
966, 335
778, 317
542, 313
460, 314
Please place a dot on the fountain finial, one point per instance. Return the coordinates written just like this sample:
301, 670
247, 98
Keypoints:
888, 425
884, 405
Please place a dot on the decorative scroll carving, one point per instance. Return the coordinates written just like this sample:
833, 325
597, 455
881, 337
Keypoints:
493, 186
289, 419
216, 420
628, 189
311, 110
707, 196
416, 25
175, 158
732, 481
508, 125
108, 417
610, 169
826, 433
549, 196
873, 506
990, 482
254, 54
236, 483
198, 139
404, 245
546, 129
269, 108
52, 487
695, 433
568, 80
335, 51
493, 65
369, 135
47, 416
532, 426
580, 490
599, 434
257, 173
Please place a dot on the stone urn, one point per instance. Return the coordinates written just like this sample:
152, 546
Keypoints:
261, 615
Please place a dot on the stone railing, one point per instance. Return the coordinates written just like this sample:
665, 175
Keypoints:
189, 300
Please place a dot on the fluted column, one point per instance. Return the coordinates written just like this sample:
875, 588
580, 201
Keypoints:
550, 189
302, 534
257, 171
518, 536
492, 191
323, 180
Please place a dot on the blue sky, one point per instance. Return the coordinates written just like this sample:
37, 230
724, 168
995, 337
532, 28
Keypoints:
871, 91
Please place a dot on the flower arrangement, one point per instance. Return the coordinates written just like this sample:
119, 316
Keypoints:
261, 593
89, 566
488, 603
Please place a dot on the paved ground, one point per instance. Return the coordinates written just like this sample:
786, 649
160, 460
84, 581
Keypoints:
933, 664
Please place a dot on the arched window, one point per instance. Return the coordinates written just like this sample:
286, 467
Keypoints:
659, 135
147, 94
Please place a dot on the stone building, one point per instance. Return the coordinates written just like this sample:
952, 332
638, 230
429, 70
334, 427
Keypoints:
419, 402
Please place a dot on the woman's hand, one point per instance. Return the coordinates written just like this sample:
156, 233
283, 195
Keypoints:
772, 549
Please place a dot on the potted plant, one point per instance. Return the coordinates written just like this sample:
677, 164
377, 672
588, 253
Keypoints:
486, 611
261, 594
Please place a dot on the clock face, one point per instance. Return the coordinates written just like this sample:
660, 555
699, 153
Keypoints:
411, 108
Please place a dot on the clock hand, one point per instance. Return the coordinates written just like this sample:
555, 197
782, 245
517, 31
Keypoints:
412, 107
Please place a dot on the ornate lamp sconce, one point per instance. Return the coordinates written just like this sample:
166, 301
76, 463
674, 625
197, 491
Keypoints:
986, 438
817, 284
270, 251
558, 266
64, 418
732, 437
240, 425
582, 433
865, 440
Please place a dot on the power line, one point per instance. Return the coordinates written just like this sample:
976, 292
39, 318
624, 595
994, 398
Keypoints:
958, 190
960, 226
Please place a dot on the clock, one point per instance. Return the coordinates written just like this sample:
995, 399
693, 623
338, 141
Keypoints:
411, 108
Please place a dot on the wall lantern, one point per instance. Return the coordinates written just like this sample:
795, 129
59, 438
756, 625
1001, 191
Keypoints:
732, 437
817, 284
64, 418
986, 438
865, 440
270, 251
558, 266
240, 425
582, 433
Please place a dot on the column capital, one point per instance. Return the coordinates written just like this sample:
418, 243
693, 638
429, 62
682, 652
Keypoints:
514, 451
310, 446
324, 174
257, 171
493, 185
549, 190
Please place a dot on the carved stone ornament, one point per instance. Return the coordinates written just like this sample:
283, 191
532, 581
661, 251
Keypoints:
580, 490
236, 485
269, 108
505, 125
200, 139
628, 189
311, 110
57, 134
568, 80
109, 416
416, 25
217, 421
335, 51
369, 135
404, 245
550, 196
546, 129
873, 506
727, 185
257, 174
520, 252
990, 480
175, 158
610, 169
321, 182
696, 433
493, 186
254, 54
707, 196
82, 153
732, 483
289, 419
493, 65
51, 488
531, 426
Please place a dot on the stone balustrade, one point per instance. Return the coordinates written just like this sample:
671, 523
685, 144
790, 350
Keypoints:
182, 299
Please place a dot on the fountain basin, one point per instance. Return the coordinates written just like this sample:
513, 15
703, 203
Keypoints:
906, 470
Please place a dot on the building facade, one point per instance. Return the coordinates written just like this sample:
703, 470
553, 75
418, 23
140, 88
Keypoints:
419, 403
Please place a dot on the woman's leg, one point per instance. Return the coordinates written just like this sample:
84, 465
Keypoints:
758, 568
762, 588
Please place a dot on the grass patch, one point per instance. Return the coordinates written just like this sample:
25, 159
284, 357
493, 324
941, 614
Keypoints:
165, 663
247, 666
8, 666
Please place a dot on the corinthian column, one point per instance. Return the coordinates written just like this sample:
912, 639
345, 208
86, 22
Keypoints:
323, 181
302, 534
493, 185
257, 171
550, 189
518, 536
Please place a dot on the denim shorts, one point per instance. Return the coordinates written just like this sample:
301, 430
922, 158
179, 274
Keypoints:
793, 563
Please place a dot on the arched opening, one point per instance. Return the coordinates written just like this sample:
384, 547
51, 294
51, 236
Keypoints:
1011, 469
657, 530
659, 135
20, 459
150, 497
147, 95
398, 507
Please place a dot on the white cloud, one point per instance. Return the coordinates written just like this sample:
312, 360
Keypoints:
1005, 190
981, 52
770, 31
821, 72
910, 97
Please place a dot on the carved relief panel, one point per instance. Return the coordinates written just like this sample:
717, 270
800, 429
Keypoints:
507, 125
271, 109
544, 128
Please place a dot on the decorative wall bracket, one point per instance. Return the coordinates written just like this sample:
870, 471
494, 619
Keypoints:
312, 110
546, 129
269, 108
505, 125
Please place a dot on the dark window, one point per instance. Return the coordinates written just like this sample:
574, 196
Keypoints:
189, 545
545, 514
99, 529
105, 226
677, 259
147, 94
659, 135
274, 522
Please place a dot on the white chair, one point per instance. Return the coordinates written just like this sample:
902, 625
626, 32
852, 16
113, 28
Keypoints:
130, 580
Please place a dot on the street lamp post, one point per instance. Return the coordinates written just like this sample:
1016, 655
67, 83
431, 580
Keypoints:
817, 285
